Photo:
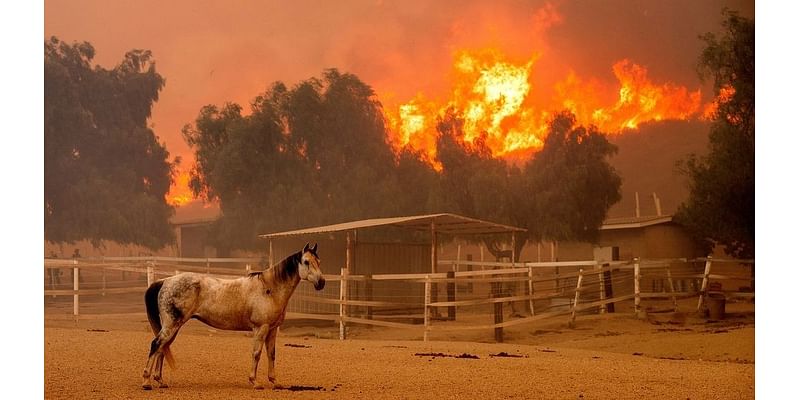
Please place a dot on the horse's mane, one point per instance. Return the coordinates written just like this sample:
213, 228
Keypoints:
285, 270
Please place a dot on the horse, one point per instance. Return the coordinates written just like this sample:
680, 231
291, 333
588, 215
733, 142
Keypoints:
256, 302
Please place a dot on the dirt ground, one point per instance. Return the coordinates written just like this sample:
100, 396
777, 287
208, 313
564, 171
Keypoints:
611, 356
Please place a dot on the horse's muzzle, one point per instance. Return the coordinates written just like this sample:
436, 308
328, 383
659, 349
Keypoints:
320, 283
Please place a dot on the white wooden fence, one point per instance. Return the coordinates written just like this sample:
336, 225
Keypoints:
478, 289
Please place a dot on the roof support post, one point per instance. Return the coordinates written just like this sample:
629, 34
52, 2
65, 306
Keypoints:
270, 255
349, 252
434, 260
513, 248
433, 248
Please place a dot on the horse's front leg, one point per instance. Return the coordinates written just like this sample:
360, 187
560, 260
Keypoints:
271, 337
259, 334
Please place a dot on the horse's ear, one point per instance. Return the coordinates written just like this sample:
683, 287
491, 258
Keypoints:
305, 249
314, 249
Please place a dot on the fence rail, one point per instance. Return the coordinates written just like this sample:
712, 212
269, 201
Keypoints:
417, 301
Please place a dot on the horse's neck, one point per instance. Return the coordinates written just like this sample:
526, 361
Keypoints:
285, 277
287, 270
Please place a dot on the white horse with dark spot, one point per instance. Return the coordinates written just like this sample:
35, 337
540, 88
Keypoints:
256, 302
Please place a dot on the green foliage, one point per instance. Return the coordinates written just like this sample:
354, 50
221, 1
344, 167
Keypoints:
730, 61
570, 185
563, 193
315, 154
105, 173
473, 182
419, 183
721, 204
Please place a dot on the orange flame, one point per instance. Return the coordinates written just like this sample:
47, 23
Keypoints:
490, 93
500, 106
495, 97
725, 95
179, 193
638, 100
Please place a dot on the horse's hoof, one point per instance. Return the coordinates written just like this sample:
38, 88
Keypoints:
258, 387
147, 386
160, 383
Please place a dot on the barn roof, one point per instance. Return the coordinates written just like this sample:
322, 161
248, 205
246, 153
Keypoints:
635, 222
445, 223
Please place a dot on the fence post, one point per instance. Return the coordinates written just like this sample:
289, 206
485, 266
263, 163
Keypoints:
577, 298
637, 299
558, 281
76, 287
342, 306
247, 269
672, 289
208, 266
704, 285
469, 268
53, 279
530, 289
368, 293
104, 280
608, 289
602, 281
427, 317
451, 294
498, 311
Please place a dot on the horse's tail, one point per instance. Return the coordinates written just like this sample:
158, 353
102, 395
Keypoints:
151, 302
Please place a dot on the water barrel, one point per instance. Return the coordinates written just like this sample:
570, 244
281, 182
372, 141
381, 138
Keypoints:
716, 306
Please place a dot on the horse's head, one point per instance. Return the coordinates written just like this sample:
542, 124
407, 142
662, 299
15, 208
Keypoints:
309, 267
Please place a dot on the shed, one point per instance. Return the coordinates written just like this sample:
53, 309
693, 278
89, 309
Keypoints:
646, 237
343, 249
433, 224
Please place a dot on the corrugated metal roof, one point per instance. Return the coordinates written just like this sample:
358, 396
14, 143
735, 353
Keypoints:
635, 222
445, 223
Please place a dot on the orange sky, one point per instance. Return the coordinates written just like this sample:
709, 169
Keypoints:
211, 52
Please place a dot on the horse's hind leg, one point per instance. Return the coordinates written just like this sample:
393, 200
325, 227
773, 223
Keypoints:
157, 348
160, 360
159, 368
146, 383
159, 364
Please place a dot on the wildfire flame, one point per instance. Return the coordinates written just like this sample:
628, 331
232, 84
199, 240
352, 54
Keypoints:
179, 193
500, 106
496, 99
725, 95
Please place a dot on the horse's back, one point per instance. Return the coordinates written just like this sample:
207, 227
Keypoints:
221, 303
